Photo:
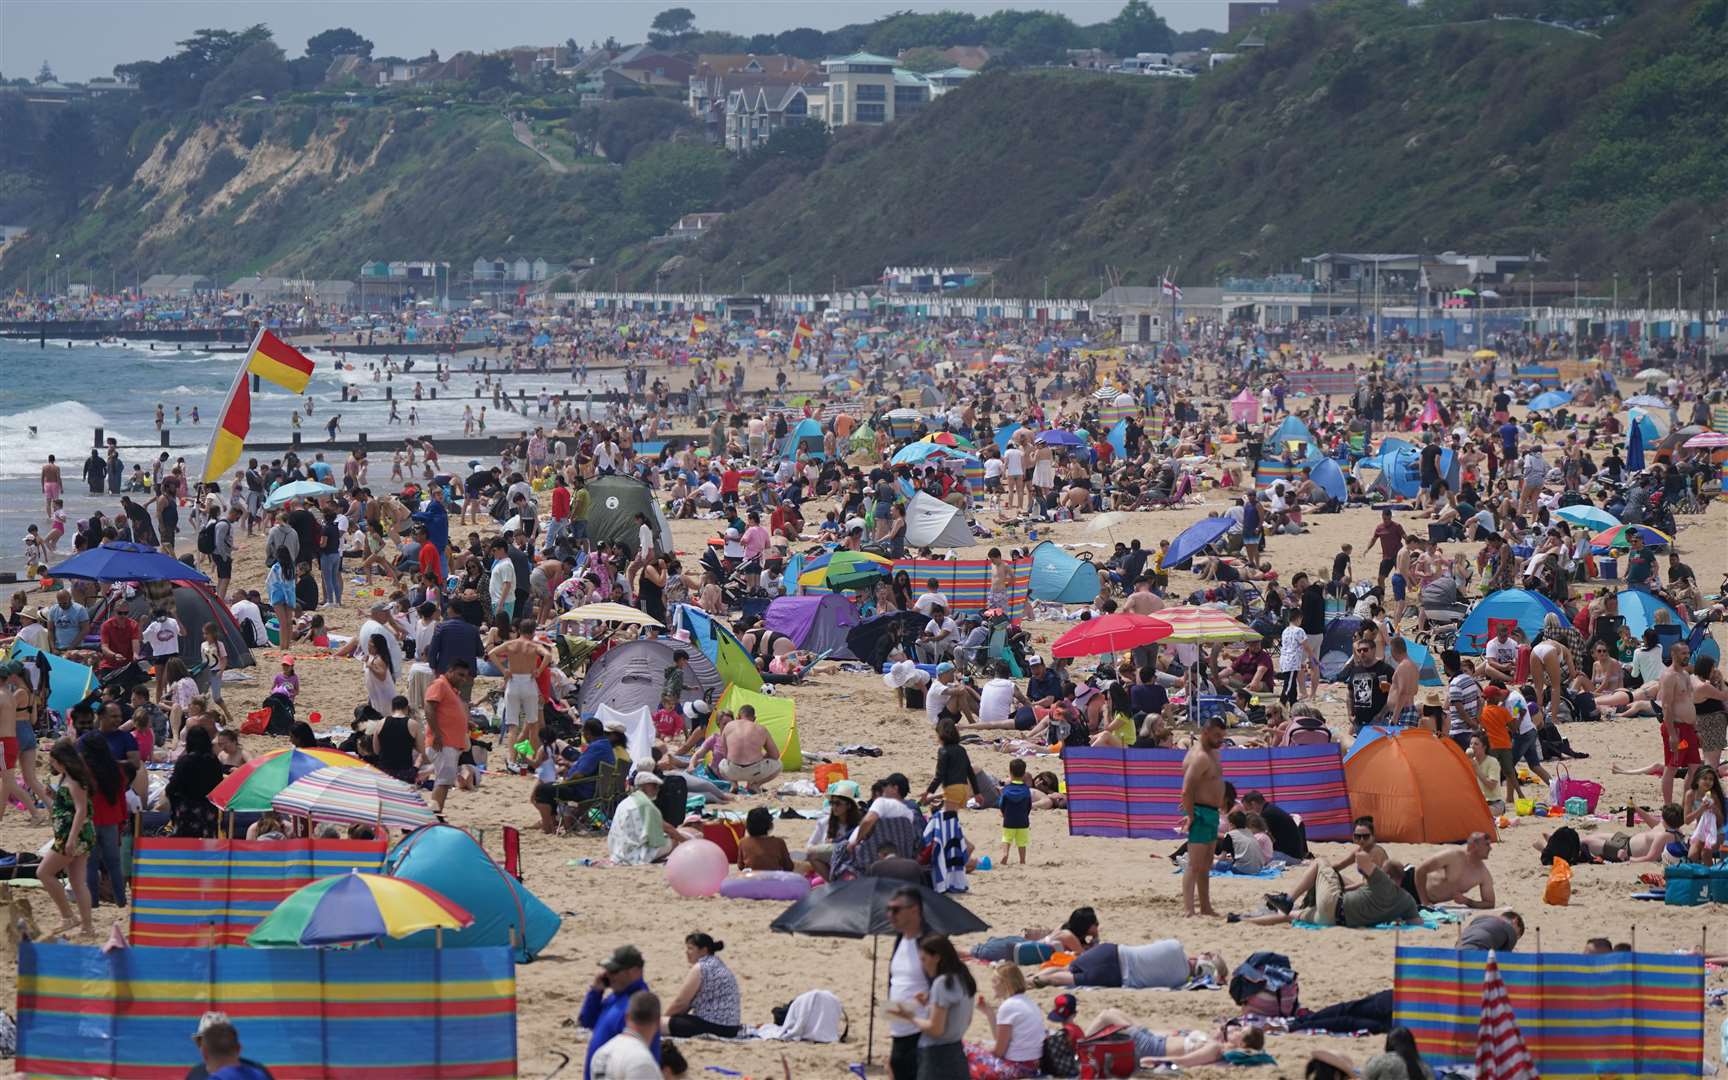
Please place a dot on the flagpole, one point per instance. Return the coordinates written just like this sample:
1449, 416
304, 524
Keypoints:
239, 382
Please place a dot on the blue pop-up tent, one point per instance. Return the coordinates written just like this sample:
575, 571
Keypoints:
803, 441
1062, 577
1330, 478
1527, 608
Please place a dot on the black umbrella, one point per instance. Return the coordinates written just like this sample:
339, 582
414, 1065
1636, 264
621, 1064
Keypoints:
859, 909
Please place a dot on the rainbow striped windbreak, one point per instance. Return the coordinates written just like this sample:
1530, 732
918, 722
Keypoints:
1138, 793
1272, 470
1608, 1015
966, 582
213, 892
309, 1014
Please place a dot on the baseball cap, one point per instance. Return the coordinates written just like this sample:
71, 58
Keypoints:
647, 778
1494, 693
288, 660
1034, 660
624, 956
1065, 1007
944, 667
208, 1021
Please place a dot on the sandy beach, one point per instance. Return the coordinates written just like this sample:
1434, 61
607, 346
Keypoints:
1130, 883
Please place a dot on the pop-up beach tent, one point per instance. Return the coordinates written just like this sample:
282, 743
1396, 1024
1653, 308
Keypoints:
932, 523
803, 441
1245, 408
1062, 577
449, 861
777, 714
818, 623
1527, 608
614, 503
719, 644
632, 674
1419, 788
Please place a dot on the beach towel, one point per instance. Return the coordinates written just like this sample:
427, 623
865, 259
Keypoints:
1431, 920
813, 1016
1269, 871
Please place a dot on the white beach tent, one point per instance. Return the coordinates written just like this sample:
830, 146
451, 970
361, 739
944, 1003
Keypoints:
930, 522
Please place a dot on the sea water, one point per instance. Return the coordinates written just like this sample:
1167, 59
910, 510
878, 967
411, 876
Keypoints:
68, 390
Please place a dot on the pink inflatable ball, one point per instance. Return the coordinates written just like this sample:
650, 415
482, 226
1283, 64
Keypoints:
697, 868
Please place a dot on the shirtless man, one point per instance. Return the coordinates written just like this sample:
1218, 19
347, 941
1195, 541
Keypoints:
521, 659
1202, 800
1404, 578
50, 485
543, 582
1143, 601
752, 758
1401, 709
1679, 719
1362, 834
1452, 873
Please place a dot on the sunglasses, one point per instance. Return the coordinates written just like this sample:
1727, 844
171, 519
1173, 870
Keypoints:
1362, 836
895, 909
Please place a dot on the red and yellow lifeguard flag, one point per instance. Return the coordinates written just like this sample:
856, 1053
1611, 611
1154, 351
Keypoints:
272, 359
698, 327
276, 361
800, 335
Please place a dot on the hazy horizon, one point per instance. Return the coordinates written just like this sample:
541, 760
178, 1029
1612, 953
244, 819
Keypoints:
59, 32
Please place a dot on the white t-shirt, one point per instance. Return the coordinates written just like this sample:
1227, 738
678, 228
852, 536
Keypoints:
1292, 648
1501, 652
906, 980
935, 696
928, 600
162, 638
1520, 710
1014, 461
247, 612
944, 632
624, 1057
1026, 1023
996, 701
992, 468
885, 808
371, 627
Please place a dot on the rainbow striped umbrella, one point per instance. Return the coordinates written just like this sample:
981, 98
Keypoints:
351, 908
1616, 537
254, 784
355, 797
1203, 625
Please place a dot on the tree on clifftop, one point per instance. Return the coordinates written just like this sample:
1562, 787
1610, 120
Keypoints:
671, 25
338, 42
1136, 29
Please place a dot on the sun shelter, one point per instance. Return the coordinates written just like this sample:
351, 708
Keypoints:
1418, 787
1062, 577
718, 644
1527, 608
872, 640
69, 681
1195, 539
1137, 793
777, 714
447, 859
1245, 408
614, 502
932, 523
1330, 478
1293, 431
1639, 609
803, 441
817, 623
632, 675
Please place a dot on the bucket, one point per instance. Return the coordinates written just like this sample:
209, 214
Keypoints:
1524, 807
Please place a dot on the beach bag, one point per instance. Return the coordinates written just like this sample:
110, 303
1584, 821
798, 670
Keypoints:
1685, 884
1564, 788
257, 722
1059, 1058
1559, 888
1266, 985
1107, 1054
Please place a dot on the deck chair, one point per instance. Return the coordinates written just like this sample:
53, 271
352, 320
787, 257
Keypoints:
997, 649
608, 793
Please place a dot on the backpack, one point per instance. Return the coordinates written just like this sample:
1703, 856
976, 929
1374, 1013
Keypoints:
207, 539
1058, 1057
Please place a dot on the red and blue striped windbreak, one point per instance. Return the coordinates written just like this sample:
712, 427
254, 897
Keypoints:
1631, 1014
1138, 793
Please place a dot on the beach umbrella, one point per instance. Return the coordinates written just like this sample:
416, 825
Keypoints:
251, 786
1549, 399
1110, 519
1116, 632
351, 908
1591, 517
913, 453
859, 909
948, 439
1501, 1053
1194, 539
1646, 401
613, 613
1203, 625
1616, 537
120, 560
1059, 437
299, 489
1651, 373
1635, 449
355, 797
1480, 354
1708, 440
844, 569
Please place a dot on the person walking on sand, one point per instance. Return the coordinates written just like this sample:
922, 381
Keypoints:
521, 660
1202, 800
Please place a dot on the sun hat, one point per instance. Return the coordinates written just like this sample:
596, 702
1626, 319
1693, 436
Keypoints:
845, 789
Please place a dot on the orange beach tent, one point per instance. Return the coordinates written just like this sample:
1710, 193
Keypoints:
1419, 789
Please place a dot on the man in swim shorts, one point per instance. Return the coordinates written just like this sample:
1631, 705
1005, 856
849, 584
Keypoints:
1202, 798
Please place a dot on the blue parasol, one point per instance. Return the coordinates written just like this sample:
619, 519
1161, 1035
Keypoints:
118, 560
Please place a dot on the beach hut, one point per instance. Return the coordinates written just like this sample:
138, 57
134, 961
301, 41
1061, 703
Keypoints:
448, 860
632, 674
1245, 408
817, 623
1418, 787
932, 523
1061, 577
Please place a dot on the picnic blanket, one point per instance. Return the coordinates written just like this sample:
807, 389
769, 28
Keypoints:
1431, 920
1610, 1014
1138, 793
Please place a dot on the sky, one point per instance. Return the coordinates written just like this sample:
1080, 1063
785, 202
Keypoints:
83, 38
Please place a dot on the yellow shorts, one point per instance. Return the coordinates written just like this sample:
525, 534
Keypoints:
1016, 837
955, 795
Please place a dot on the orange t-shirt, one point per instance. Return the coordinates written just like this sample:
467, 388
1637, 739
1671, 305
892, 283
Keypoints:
1497, 725
449, 712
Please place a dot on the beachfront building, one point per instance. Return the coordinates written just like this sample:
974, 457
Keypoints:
387, 284
514, 268
753, 114
864, 88
175, 286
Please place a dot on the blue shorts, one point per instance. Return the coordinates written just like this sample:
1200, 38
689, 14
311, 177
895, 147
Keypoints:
282, 594
1398, 586
26, 733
